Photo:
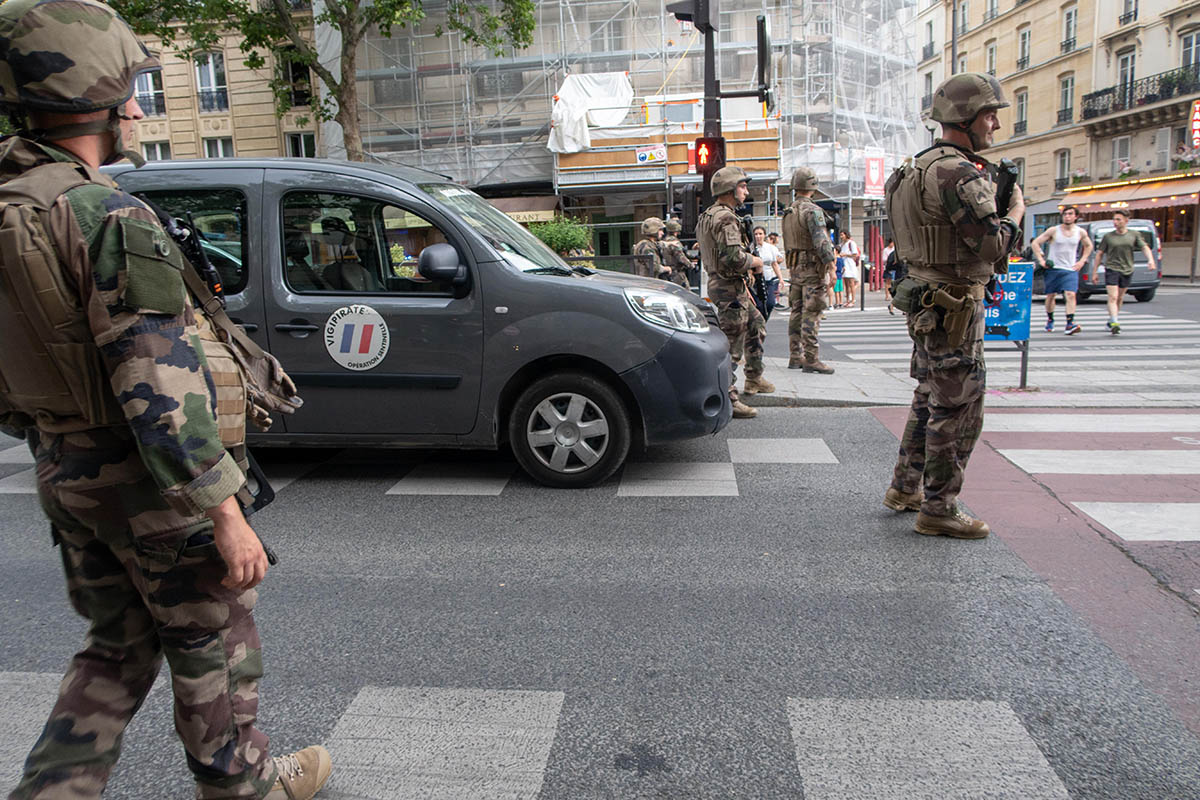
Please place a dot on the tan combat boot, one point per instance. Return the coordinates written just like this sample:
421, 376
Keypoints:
743, 411
759, 385
795, 362
817, 366
301, 774
897, 500
958, 524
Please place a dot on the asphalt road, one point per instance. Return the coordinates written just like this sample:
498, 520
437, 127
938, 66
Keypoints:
794, 639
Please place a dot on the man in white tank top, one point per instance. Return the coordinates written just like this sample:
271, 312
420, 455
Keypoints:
1062, 262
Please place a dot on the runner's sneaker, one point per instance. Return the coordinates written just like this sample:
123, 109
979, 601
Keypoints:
1109, 324
1049, 325
1073, 329
1114, 328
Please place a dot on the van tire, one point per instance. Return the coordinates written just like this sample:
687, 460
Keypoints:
569, 399
1145, 295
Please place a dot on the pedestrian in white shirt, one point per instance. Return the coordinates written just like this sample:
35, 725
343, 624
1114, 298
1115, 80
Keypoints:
851, 256
772, 261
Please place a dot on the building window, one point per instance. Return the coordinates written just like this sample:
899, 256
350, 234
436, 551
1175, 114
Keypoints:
1020, 164
149, 93
1023, 41
992, 10
1070, 25
962, 63
1062, 165
213, 94
156, 151
1190, 47
608, 36
1066, 98
1126, 74
963, 10
927, 95
1021, 113
1162, 148
991, 58
1120, 155
929, 32
298, 77
302, 145
221, 147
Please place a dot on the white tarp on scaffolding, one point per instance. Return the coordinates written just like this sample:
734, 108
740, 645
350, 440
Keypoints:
600, 99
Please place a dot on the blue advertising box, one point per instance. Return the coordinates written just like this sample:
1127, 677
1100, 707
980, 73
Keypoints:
1007, 319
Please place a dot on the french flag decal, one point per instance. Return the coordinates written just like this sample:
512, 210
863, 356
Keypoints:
356, 337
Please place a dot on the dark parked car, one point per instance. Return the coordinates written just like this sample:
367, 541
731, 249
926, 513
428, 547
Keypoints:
411, 312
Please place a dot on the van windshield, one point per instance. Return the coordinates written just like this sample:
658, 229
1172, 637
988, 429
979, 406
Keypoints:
518, 246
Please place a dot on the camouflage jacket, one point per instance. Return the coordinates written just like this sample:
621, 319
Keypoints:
724, 249
674, 255
809, 250
942, 205
649, 258
142, 320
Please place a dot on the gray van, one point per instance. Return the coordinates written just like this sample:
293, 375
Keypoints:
1144, 282
410, 312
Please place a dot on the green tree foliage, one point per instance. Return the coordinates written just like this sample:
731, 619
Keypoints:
563, 234
275, 27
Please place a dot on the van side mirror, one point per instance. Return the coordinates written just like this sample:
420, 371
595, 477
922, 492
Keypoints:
439, 262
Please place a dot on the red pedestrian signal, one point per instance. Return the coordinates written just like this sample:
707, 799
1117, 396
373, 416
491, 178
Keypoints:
710, 154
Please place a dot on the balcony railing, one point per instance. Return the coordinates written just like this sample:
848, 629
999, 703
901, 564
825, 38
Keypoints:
1023, 63
213, 99
1068, 44
1064, 116
927, 51
1061, 183
1128, 16
926, 101
1020, 126
153, 105
1151, 89
990, 14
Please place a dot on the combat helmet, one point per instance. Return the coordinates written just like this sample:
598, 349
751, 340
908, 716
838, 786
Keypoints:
651, 226
804, 179
673, 226
963, 97
726, 180
41, 40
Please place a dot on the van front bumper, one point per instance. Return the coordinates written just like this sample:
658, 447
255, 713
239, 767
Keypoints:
683, 392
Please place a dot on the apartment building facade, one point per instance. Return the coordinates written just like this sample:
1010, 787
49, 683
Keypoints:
217, 107
932, 31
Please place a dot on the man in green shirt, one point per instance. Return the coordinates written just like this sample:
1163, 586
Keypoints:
1115, 254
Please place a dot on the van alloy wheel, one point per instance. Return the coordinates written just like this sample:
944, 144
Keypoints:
567, 432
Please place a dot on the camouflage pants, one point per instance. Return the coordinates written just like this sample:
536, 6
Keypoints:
946, 416
745, 329
149, 582
804, 321
679, 277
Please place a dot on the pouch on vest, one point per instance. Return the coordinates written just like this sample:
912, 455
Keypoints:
908, 293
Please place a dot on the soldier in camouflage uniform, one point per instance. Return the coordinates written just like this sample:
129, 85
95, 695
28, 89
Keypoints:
726, 253
674, 255
649, 262
811, 263
942, 205
103, 371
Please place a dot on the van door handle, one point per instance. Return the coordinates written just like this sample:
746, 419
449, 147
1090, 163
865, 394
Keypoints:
248, 327
298, 330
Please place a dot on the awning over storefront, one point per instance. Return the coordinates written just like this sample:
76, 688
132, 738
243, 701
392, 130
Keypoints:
527, 209
1134, 196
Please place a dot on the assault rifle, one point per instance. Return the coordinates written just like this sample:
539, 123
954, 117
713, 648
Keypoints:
1006, 176
758, 287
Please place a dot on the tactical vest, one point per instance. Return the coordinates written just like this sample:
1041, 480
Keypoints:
51, 374
714, 218
797, 238
926, 239
647, 253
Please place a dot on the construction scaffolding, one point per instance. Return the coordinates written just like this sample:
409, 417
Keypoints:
844, 76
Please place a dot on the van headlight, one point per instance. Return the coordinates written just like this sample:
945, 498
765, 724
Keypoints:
663, 308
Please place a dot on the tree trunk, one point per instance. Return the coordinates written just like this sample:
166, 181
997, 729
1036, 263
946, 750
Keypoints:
347, 100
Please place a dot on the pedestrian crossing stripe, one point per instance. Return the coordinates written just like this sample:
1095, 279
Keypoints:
1105, 462
495, 744
1147, 522
1092, 423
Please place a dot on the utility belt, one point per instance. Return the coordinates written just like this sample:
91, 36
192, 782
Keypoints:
951, 307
